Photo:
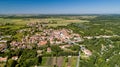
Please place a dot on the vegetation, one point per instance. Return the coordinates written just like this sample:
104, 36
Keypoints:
105, 50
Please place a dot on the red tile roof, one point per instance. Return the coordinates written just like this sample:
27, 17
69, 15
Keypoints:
42, 42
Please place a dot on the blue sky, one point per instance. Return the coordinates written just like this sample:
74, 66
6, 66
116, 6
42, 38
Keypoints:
59, 6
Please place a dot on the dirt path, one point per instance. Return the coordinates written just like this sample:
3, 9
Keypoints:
69, 62
59, 61
54, 61
78, 60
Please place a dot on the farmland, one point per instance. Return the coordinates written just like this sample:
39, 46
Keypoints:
53, 21
61, 61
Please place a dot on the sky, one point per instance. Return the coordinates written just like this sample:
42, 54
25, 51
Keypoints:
59, 6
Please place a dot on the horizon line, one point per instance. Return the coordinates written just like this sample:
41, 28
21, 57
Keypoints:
63, 14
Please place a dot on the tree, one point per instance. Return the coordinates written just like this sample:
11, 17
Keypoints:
11, 63
56, 49
28, 58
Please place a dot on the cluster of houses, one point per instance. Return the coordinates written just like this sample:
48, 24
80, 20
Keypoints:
85, 51
51, 36
3, 41
2, 47
4, 59
62, 37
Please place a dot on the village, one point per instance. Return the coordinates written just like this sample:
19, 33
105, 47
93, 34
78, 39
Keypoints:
64, 38
49, 42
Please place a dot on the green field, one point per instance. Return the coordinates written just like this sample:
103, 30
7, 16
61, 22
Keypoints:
52, 21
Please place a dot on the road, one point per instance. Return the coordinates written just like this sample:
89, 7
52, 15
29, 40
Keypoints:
100, 36
78, 60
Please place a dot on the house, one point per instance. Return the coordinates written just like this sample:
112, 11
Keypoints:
65, 46
3, 41
15, 57
3, 59
86, 51
42, 43
48, 49
39, 52
2, 47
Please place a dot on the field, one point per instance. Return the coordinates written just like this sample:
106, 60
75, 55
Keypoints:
61, 61
64, 22
53, 21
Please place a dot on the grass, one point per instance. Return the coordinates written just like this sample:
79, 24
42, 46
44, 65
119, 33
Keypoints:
44, 60
2, 64
74, 61
60, 21
19, 36
14, 21
64, 62
66, 22
12, 26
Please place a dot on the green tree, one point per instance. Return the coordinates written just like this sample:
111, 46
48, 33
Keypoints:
11, 63
56, 49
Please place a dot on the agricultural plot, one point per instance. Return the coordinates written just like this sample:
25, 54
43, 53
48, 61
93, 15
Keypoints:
51, 21
61, 61
70, 61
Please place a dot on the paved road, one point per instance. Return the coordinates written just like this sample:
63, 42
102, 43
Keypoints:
100, 36
78, 60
